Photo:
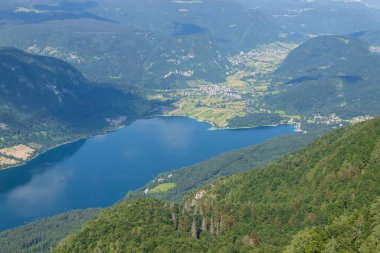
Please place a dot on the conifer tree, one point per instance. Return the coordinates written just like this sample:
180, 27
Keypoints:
194, 232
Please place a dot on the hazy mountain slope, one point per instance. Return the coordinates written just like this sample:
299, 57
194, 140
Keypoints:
372, 37
319, 17
123, 56
232, 26
329, 74
257, 211
51, 88
42, 11
187, 57
45, 101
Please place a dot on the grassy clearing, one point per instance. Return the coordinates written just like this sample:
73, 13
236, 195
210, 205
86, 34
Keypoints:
163, 188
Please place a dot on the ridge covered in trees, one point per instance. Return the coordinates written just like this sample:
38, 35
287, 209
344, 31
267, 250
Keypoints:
322, 196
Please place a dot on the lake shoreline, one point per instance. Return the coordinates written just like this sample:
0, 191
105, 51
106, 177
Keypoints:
116, 159
216, 128
38, 154
212, 128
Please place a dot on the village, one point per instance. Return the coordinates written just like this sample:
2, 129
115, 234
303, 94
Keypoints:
333, 119
263, 59
211, 90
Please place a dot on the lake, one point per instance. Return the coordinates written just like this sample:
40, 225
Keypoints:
99, 171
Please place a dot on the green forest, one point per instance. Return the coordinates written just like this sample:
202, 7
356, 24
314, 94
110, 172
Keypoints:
75, 69
323, 198
190, 178
43, 235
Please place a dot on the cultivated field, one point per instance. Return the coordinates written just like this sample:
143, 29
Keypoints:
20, 152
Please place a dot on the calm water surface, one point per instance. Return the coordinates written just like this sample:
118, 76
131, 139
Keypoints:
101, 170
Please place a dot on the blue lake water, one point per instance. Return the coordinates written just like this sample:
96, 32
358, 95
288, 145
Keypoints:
99, 171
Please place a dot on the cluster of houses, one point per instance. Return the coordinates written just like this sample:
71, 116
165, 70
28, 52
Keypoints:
3, 126
333, 119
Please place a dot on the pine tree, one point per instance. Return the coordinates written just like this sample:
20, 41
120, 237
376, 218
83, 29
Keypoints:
174, 220
277, 221
194, 231
204, 224
254, 240
221, 224
184, 224
212, 228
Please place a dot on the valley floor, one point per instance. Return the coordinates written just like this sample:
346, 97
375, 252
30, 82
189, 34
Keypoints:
238, 102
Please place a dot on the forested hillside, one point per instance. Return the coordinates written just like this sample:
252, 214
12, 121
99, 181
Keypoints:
358, 231
234, 27
45, 102
124, 57
332, 182
185, 180
43, 235
74, 69
329, 75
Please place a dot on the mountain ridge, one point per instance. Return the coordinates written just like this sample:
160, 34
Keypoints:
45, 102
257, 211
328, 75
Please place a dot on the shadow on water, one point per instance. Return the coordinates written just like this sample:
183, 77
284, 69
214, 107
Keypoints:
66, 6
21, 175
351, 79
180, 29
34, 18
61, 11
303, 79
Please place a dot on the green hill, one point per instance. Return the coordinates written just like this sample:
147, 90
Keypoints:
43, 235
315, 192
190, 178
185, 180
354, 232
54, 89
329, 74
45, 101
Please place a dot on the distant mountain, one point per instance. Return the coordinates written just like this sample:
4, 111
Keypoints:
185, 57
372, 37
49, 87
45, 101
32, 12
329, 74
319, 17
234, 28
324, 198
122, 56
